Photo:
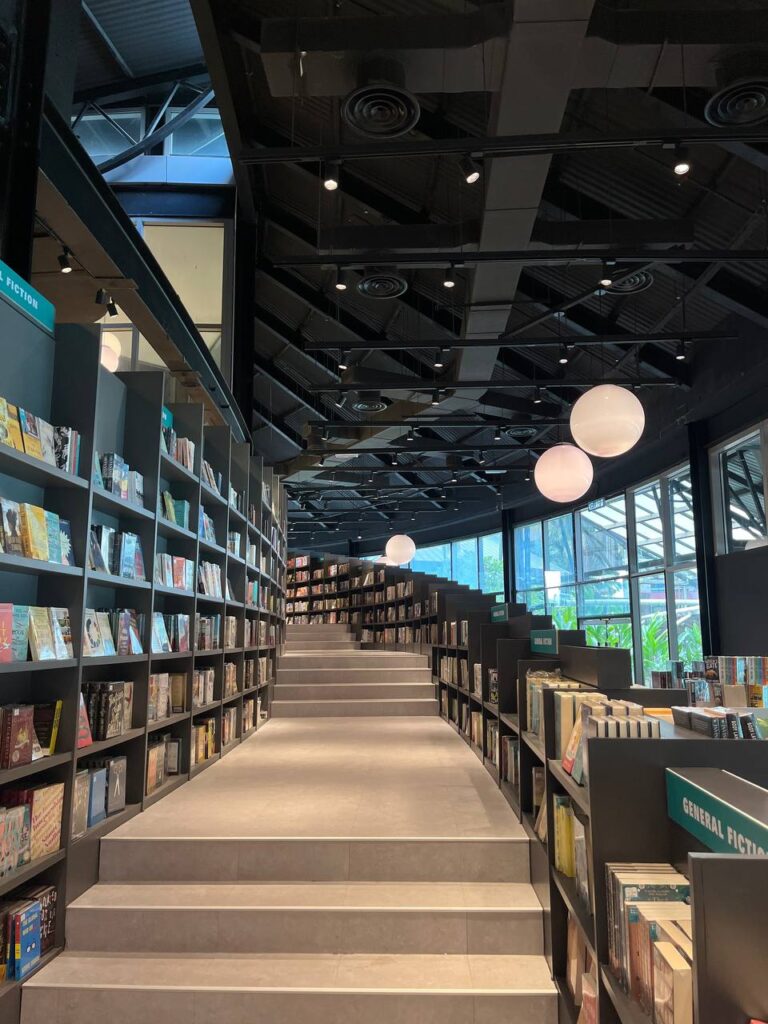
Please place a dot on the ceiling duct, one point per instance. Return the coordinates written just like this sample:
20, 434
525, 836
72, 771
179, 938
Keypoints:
381, 107
382, 283
523, 434
742, 99
369, 401
632, 283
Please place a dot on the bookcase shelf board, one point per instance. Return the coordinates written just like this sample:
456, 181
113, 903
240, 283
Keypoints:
165, 788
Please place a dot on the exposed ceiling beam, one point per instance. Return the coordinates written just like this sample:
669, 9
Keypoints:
405, 384
295, 340
702, 21
138, 85
613, 232
503, 145
445, 422
520, 341
107, 40
275, 424
548, 257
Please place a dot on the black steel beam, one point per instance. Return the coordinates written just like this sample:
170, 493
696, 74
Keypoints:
294, 339
548, 257
520, 341
699, 23
139, 84
445, 422
499, 385
501, 145
613, 232
422, 447
275, 424
286, 383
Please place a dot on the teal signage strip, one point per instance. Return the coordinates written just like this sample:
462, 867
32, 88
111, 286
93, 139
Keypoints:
716, 822
544, 641
28, 300
500, 613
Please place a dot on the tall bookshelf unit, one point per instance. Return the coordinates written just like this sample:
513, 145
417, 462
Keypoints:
59, 378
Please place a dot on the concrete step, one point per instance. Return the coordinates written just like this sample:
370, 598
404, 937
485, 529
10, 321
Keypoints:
300, 646
320, 917
323, 988
337, 629
321, 674
354, 691
311, 859
352, 659
371, 708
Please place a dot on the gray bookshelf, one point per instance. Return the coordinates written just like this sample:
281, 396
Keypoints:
60, 379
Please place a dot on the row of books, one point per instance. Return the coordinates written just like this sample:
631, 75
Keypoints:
228, 726
257, 670
34, 532
163, 759
454, 670
571, 850
234, 542
211, 477
298, 561
25, 432
203, 740
167, 695
175, 571
43, 633
252, 591
210, 580
259, 633
119, 554
99, 792
31, 818
108, 711
203, 687
492, 735
724, 723
112, 473
236, 499
28, 732
455, 633
230, 679
27, 930
650, 950
580, 973
298, 577
510, 760
175, 510
251, 713
179, 448
205, 528
476, 728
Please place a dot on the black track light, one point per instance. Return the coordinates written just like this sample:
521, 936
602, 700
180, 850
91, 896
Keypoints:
497, 434
340, 400
606, 275
563, 357
410, 436
344, 360
682, 164
470, 169
537, 396
437, 362
481, 458
102, 298
342, 279
449, 278
65, 261
680, 353
331, 176
112, 308
435, 398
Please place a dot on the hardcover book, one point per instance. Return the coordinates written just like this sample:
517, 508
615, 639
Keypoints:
80, 804
105, 629
41, 640
97, 796
45, 430
65, 542
34, 531
14, 428
6, 632
11, 527
84, 736
30, 433
53, 528
46, 718
17, 733
93, 644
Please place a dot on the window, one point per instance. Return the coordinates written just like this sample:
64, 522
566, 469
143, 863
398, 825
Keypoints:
743, 494
435, 561
491, 564
202, 135
529, 557
102, 138
464, 561
622, 569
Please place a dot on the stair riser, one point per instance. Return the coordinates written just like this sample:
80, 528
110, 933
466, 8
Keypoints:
357, 660
281, 930
311, 860
348, 708
298, 647
361, 691
319, 632
134, 1005
316, 676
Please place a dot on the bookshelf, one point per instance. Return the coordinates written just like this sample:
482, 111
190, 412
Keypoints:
59, 378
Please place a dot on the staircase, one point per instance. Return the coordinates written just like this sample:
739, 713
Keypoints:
325, 673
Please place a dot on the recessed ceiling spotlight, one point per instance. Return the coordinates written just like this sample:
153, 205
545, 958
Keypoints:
343, 361
449, 278
470, 169
65, 261
682, 165
331, 176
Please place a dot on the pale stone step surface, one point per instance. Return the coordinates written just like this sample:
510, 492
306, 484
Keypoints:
354, 659
264, 989
327, 917
353, 674
346, 708
301, 646
353, 691
459, 860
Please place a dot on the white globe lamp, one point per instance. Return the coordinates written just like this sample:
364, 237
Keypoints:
111, 350
563, 473
607, 421
400, 549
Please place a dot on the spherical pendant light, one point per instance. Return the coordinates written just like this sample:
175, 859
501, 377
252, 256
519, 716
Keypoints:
400, 549
563, 473
607, 421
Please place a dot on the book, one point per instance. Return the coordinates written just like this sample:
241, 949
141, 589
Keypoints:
67, 556
60, 620
105, 629
11, 515
80, 804
93, 644
41, 639
47, 445
34, 531
47, 897
84, 736
30, 433
26, 947
97, 796
96, 559
45, 805
46, 718
117, 768
672, 986
6, 632
54, 536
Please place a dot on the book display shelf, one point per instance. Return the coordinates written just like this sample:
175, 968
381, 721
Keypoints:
162, 741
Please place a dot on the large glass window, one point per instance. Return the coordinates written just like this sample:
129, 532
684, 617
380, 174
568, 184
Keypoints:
491, 563
529, 557
202, 135
629, 579
103, 137
435, 560
743, 494
464, 561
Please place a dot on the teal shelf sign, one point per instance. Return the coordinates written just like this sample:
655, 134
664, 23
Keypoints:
724, 812
544, 641
28, 300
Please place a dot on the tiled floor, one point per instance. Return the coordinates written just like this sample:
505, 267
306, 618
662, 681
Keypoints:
389, 777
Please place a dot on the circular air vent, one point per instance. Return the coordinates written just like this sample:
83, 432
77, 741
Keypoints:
637, 282
382, 284
369, 402
380, 111
743, 103
521, 434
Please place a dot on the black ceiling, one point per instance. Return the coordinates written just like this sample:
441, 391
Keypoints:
601, 70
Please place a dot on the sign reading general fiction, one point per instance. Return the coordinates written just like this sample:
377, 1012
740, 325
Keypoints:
24, 297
